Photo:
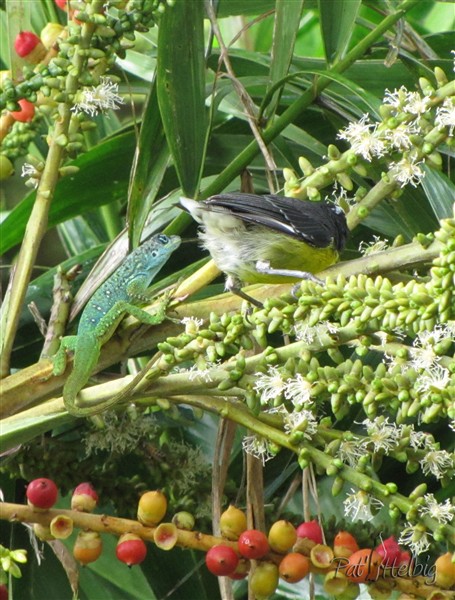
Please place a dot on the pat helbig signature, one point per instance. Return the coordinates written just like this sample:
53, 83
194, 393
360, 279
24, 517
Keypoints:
407, 569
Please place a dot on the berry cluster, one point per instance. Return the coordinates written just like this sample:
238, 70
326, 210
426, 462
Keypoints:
287, 552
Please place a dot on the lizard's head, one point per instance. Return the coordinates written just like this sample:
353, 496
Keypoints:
161, 246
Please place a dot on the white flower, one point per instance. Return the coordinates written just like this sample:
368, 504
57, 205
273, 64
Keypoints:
407, 171
443, 513
298, 390
435, 378
258, 447
445, 115
423, 358
98, 99
399, 137
382, 435
415, 104
415, 537
361, 137
358, 506
377, 245
192, 324
303, 420
350, 451
437, 462
423, 354
421, 439
270, 386
432, 336
396, 98
196, 373
309, 334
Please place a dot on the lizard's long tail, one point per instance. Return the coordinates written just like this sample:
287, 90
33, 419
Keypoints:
86, 356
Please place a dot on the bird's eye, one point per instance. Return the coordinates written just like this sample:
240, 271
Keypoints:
154, 253
163, 239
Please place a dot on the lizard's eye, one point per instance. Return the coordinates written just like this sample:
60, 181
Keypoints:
163, 239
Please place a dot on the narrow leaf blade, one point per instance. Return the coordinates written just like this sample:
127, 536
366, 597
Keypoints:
181, 88
337, 23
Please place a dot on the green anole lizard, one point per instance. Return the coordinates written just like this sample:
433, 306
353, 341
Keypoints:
118, 296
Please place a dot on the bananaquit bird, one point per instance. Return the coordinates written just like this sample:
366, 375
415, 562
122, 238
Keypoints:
268, 239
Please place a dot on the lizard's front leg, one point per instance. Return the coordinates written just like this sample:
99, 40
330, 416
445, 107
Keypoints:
59, 359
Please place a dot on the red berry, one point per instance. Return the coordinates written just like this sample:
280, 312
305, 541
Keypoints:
131, 549
25, 42
26, 113
63, 4
84, 498
3, 592
28, 45
253, 544
311, 530
389, 551
221, 560
404, 558
42, 493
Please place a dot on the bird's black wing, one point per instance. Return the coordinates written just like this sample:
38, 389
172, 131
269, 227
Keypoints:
317, 223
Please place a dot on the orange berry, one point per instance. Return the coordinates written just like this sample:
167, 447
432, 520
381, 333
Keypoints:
294, 567
282, 536
88, 547
344, 544
445, 570
363, 566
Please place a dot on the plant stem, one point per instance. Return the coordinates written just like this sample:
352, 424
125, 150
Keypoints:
37, 223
